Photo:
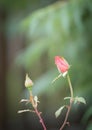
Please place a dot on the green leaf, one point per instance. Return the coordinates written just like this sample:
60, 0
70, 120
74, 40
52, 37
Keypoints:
79, 99
67, 98
58, 112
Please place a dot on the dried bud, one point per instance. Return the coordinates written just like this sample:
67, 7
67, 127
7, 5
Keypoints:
28, 82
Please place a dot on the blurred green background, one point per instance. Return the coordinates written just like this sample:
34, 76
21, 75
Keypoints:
31, 34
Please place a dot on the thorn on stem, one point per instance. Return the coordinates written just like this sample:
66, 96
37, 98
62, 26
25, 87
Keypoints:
40, 113
40, 121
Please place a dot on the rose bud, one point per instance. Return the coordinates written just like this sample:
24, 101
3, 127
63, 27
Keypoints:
62, 65
28, 82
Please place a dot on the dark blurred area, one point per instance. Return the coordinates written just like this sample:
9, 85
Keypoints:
31, 34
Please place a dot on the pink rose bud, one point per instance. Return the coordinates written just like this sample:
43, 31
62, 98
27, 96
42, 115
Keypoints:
62, 65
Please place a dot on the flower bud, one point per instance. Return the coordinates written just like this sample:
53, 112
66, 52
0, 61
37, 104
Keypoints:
62, 65
28, 82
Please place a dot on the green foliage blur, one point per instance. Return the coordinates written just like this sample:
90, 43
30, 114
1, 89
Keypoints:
65, 29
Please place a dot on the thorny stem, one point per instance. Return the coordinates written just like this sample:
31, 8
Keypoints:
70, 105
67, 114
40, 118
37, 112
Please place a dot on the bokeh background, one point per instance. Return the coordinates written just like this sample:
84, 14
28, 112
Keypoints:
32, 32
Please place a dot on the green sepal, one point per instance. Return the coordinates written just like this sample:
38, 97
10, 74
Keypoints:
67, 98
58, 112
29, 88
